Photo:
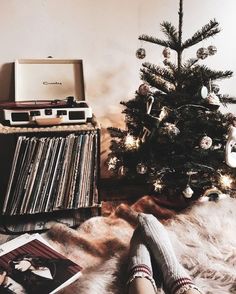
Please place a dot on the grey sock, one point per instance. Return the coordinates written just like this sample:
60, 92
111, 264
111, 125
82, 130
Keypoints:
176, 279
139, 260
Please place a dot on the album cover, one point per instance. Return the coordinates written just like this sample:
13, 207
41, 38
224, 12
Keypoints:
29, 265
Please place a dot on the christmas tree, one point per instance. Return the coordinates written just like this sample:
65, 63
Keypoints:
175, 134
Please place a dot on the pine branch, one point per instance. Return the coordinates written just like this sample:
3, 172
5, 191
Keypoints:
153, 81
160, 71
116, 132
209, 30
157, 41
170, 31
208, 74
171, 66
225, 99
189, 63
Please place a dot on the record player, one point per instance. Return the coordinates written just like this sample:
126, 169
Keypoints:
47, 92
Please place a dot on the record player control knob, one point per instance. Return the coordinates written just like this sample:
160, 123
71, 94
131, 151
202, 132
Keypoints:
48, 111
34, 113
61, 112
71, 101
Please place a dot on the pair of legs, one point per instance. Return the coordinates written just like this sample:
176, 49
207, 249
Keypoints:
151, 238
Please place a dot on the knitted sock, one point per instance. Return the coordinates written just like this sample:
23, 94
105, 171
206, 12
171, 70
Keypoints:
176, 280
139, 260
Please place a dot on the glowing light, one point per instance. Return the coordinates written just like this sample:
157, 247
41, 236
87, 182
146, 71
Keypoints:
112, 163
226, 181
158, 186
131, 142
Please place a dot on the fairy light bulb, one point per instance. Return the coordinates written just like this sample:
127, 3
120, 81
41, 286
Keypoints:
158, 186
131, 142
112, 163
226, 181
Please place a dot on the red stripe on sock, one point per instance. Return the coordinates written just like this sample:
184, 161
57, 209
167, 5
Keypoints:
141, 268
180, 283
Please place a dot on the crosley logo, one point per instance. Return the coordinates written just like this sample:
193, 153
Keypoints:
51, 83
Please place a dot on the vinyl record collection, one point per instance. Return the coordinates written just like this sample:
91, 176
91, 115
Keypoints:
53, 173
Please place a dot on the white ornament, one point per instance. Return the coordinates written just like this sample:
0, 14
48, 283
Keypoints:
206, 142
188, 192
204, 92
230, 156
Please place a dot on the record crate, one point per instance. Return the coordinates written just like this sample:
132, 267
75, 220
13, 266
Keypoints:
49, 174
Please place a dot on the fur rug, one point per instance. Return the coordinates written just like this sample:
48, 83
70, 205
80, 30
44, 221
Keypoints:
203, 238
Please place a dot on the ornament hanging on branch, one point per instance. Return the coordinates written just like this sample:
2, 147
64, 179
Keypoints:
212, 50
146, 132
188, 192
230, 156
212, 99
166, 52
202, 53
141, 53
165, 61
144, 89
205, 142
203, 92
170, 130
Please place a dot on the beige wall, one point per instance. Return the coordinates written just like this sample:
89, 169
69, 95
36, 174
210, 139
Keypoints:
104, 34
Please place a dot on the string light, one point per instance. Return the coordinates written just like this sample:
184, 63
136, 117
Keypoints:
112, 163
226, 181
131, 142
158, 186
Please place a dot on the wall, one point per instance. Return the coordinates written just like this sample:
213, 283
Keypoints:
104, 33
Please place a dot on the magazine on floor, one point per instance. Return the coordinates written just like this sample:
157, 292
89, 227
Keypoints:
29, 265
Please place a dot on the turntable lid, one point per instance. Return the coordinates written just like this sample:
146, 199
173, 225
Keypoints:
48, 79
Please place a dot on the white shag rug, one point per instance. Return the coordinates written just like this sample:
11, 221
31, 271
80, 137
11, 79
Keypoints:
204, 239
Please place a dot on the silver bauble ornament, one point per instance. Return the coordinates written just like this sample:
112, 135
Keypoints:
170, 129
141, 168
205, 142
212, 50
141, 53
166, 52
144, 89
188, 192
202, 53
